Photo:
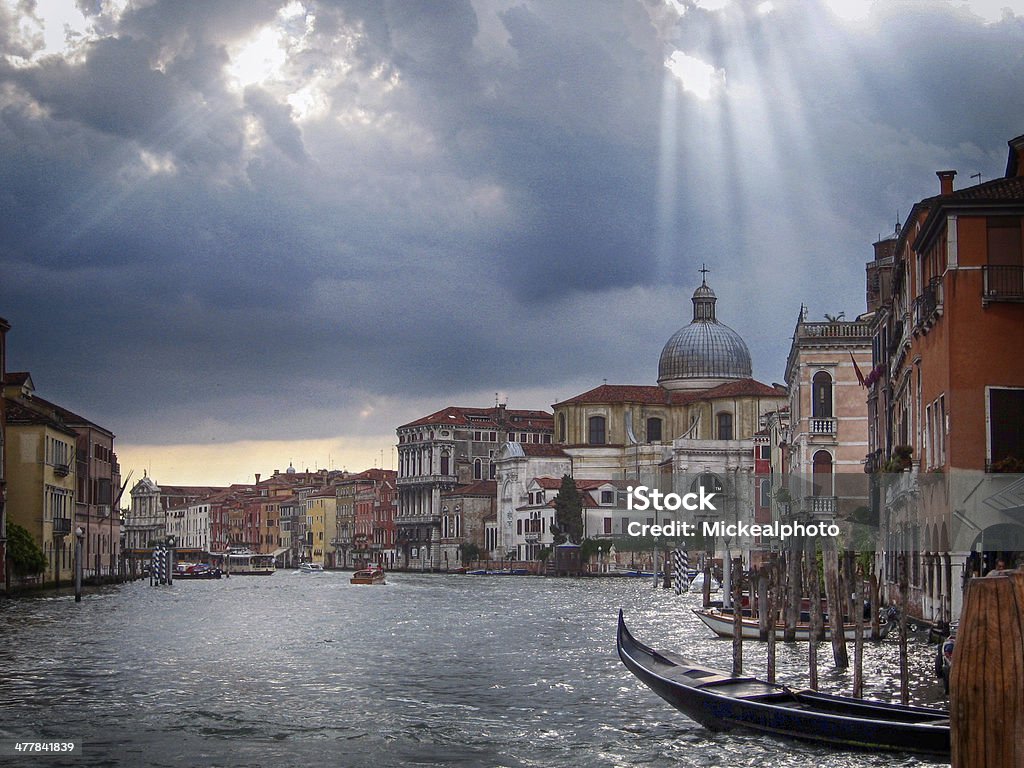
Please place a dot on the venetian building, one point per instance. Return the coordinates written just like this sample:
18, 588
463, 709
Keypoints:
699, 420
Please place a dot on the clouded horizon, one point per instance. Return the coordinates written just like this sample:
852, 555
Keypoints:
240, 234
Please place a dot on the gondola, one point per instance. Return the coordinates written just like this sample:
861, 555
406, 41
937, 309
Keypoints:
719, 701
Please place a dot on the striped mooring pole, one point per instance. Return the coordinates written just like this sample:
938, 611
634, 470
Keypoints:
681, 564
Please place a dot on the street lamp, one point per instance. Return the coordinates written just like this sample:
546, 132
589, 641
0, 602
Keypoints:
79, 537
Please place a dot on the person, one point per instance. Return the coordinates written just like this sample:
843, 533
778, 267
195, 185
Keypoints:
1000, 567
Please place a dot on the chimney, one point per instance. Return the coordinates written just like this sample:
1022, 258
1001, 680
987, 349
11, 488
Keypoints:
1015, 163
257, 478
945, 181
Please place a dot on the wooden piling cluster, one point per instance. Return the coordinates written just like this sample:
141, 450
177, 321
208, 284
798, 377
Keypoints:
987, 677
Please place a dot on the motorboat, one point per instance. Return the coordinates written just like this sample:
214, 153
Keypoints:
368, 576
311, 568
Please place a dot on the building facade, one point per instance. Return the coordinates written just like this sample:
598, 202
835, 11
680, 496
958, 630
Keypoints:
452, 447
946, 390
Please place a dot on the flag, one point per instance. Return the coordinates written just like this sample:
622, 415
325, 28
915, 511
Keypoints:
860, 376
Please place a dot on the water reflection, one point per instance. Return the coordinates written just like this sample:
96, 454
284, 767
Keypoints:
429, 670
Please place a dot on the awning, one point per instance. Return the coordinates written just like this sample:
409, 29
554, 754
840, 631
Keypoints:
279, 552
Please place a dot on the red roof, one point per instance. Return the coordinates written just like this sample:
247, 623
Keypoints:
542, 449
656, 395
488, 488
486, 418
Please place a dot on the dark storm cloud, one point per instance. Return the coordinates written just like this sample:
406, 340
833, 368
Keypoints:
429, 199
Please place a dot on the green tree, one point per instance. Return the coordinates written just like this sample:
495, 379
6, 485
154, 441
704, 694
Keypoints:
568, 524
469, 552
27, 559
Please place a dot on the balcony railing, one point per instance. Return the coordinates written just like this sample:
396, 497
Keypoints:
61, 526
928, 305
1003, 283
61, 470
823, 426
824, 506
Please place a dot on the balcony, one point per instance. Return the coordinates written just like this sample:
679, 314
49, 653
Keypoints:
428, 480
821, 506
928, 306
61, 470
823, 427
61, 526
1002, 283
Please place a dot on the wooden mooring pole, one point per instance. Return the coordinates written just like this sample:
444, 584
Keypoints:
736, 567
772, 609
815, 628
986, 693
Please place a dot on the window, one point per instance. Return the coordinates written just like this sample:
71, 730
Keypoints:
608, 497
765, 452
1004, 241
709, 482
596, 430
1005, 425
821, 396
766, 493
561, 427
654, 430
519, 526
822, 469
478, 469
445, 462
607, 526
724, 426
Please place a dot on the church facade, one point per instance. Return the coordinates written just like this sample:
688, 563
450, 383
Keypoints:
700, 421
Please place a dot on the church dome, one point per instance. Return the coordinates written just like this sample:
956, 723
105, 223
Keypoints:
704, 353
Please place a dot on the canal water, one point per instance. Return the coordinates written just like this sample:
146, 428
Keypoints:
429, 670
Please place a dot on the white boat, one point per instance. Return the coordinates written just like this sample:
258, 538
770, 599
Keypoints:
248, 563
722, 625
697, 585
311, 568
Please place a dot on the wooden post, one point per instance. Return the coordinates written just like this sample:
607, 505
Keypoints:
986, 692
772, 610
836, 603
815, 630
707, 580
794, 591
736, 567
904, 601
858, 641
762, 602
876, 626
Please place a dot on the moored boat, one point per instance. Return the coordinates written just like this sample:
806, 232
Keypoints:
721, 623
719, 701
196, 571
368, 576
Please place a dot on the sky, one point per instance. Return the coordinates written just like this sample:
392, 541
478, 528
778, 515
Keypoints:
251, 233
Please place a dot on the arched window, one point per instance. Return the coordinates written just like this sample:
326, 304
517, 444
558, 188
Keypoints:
821, 396
478, 469
708, 481
822, 469
724, 426
654, 430
561, 427
596, 434
445, 462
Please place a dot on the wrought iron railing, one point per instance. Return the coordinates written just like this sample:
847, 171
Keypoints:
1003, 282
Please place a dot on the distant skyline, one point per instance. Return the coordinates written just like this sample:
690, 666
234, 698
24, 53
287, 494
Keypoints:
240, 234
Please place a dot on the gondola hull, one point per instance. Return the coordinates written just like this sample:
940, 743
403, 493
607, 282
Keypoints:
720, 701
